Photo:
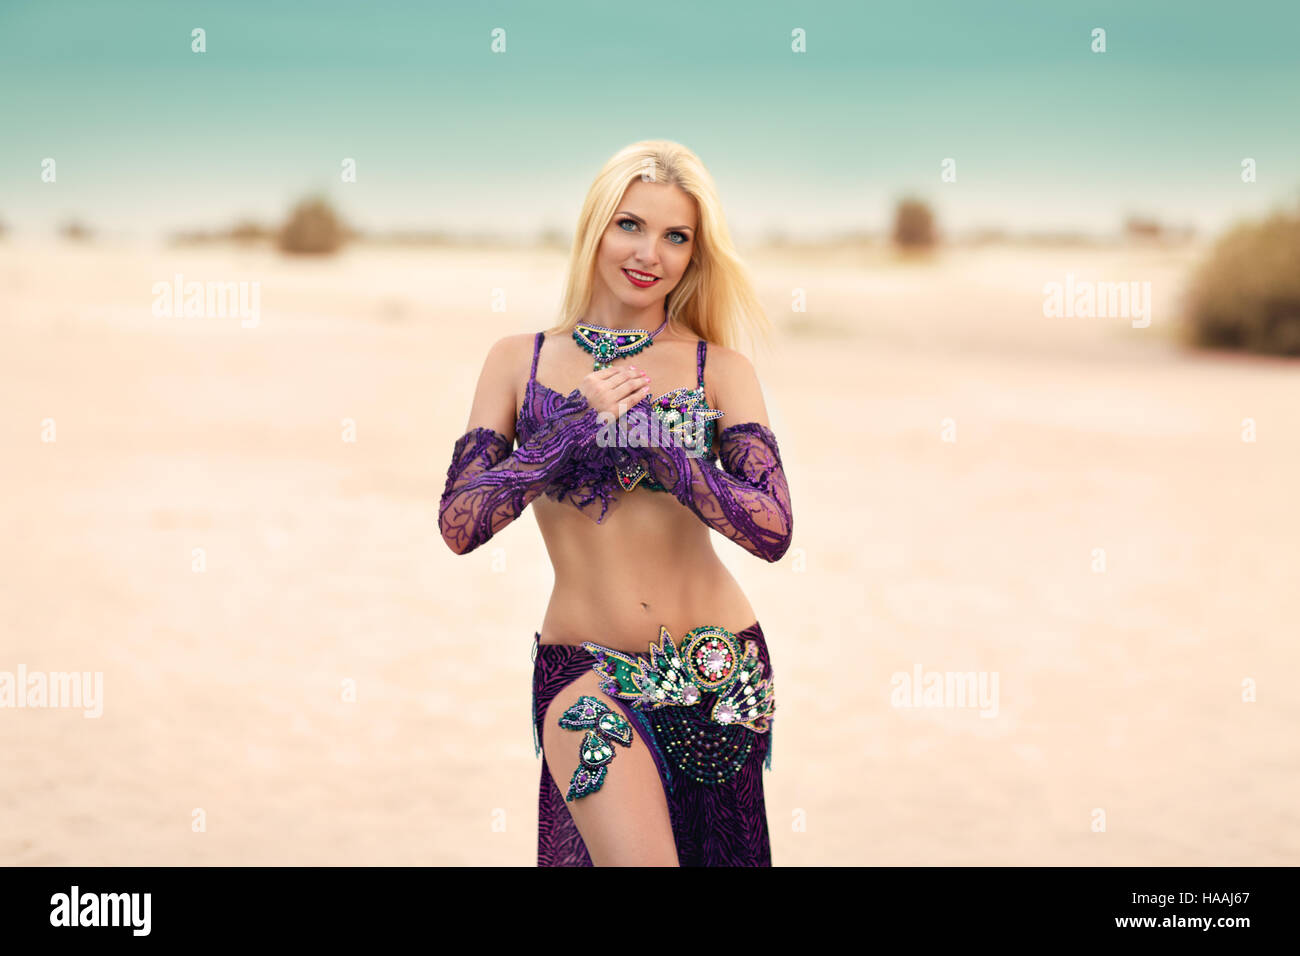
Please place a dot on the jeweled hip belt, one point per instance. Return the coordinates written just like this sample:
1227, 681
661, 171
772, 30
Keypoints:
705, 702
710, 662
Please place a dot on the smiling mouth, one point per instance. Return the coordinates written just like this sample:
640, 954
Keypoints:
640, 278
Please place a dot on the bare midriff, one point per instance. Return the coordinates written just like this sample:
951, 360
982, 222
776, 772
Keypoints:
651, 562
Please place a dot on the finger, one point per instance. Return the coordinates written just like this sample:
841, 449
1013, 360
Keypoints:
632, 385
618, 384
631, 373
625, 405
612, 372
610, 377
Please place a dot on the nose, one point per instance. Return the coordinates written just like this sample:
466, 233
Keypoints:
646, 255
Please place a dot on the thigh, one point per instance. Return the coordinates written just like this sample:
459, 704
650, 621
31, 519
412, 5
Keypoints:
626, 821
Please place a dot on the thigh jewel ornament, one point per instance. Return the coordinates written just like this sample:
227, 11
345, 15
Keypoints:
609, 344
604, 728
706, 701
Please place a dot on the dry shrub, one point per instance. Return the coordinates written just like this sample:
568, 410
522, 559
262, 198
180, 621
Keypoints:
1140, 227
312, 229
248, 231
914, 224
74, 230
1246, 295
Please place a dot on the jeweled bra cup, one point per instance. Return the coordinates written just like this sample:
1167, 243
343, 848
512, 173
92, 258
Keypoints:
685, 417
709, 742
685, 411
747, 499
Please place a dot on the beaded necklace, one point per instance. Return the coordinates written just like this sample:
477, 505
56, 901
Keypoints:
609, 344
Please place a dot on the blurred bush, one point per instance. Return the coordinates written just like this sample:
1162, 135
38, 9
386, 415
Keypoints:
312, 228
1246, 295
913, 225
1139, 227
75, 231
1147, 229
244, 232
248, 230
409, 237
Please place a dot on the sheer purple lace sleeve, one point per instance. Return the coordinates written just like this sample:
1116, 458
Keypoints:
488, 487
747, 500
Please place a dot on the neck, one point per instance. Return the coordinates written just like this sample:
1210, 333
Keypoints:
674, 331
608, 310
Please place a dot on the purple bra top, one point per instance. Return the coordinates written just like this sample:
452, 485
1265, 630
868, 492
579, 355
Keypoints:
741, 492
541, 402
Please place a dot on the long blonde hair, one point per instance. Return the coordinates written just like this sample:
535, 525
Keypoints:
715, 297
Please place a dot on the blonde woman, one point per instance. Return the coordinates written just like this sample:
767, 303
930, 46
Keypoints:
639, 429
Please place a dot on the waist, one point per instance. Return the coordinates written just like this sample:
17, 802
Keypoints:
628, 615
753, 632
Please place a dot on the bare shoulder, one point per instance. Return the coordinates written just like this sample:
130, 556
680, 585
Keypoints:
724, 363
496, 395
508, 349
731, 377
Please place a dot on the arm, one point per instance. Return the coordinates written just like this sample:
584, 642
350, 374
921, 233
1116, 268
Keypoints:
748, 499
487, 487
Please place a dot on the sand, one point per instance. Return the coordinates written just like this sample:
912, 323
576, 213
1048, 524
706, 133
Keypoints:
228, 734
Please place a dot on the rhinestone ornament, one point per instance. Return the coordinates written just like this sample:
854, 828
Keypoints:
607, 344
604, 728
710, 743
685, 415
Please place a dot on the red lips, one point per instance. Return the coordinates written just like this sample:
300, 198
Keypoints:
640, 283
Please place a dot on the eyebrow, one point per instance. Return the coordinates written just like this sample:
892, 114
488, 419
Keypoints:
633, 215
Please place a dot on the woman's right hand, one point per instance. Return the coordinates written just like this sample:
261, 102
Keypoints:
611, 387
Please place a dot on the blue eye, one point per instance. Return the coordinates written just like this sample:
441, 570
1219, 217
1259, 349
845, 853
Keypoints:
682, 240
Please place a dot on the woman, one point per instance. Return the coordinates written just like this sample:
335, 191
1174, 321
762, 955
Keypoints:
652, 680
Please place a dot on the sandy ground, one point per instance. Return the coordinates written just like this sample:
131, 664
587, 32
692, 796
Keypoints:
1120, 691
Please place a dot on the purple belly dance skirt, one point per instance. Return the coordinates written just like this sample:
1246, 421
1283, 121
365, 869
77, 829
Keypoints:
703, 708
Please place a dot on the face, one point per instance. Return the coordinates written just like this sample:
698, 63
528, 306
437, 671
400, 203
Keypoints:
652, 232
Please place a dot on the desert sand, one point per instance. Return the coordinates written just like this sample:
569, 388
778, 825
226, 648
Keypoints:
1120, 690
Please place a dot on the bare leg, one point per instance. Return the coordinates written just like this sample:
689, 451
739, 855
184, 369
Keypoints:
625, 822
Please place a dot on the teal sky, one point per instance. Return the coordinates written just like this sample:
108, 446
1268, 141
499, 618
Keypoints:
149, 137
